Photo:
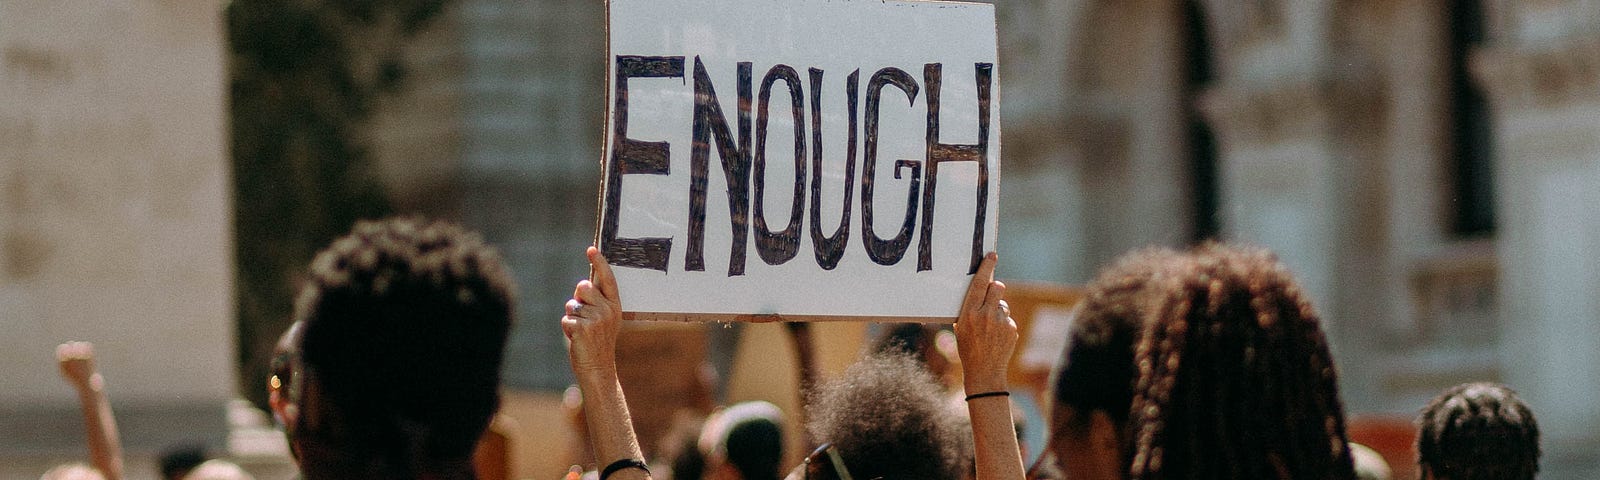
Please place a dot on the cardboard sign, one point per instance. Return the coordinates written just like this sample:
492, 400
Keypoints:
809, 159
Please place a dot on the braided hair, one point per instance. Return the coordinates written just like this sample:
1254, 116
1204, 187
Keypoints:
1478, 431
1234, 376
1095, 372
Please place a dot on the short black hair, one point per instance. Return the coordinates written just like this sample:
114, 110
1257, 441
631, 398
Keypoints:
755, 448
1478, 431
1235, 377
405, 324
1096, 371
177, 461
886, 417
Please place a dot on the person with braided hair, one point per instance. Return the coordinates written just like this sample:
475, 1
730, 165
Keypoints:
1093, 381
1204, 365
1234, 376
1477, 431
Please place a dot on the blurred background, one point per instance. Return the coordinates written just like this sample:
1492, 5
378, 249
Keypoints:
1429, 170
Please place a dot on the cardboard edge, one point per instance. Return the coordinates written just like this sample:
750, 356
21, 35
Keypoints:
605, 122
769, 318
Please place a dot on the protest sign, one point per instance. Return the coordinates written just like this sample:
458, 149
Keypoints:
809, 159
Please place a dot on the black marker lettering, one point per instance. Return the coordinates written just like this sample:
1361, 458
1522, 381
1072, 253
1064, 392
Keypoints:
629, 156
886, 252
709, 123
829, 249
943, 152
780, 247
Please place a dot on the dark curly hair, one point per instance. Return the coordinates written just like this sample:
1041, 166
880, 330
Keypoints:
887, 418
1096, 372
1235, 378
1478, 431
405, 321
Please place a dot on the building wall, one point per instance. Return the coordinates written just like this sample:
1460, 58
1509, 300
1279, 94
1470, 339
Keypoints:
114, 211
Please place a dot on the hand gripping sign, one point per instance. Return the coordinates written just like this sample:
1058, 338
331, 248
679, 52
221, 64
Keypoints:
809, 159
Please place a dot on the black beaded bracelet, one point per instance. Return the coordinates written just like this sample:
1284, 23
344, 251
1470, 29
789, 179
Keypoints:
1001, 393
621, 464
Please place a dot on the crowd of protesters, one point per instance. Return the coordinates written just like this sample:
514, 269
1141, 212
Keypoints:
1208, 363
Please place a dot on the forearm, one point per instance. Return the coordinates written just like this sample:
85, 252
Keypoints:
998, 456
100, 425
806, 357
610, 426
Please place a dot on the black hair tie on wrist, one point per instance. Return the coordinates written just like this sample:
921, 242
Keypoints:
622, 464
1001, 393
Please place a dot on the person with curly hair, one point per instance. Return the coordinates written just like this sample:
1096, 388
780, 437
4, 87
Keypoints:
887, 417
1477, 431
396, 358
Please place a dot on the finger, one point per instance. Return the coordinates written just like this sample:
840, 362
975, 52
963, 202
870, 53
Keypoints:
995, 294
573, 306
590, 296
569, 324
601, 273
980, 283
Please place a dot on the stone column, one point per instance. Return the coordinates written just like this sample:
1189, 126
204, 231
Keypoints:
1277, 177
1546, 101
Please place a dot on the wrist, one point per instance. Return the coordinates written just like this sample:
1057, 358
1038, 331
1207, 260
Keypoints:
92, 384
594, 371
978, 387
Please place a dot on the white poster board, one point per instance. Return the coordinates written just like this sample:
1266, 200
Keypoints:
809, 159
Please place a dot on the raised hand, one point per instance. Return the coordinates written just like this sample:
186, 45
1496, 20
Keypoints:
985, 332
593, 318
76, 360
592, 322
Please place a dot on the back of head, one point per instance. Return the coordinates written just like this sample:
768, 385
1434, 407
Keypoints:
404, 326
1478, 431
1096, 371
218, 470
1234, 376
886, 418
178, 461
73, 471
1369, 464
749, 437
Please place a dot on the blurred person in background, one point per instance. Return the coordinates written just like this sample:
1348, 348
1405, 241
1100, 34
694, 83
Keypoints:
73, 471
1369, 464
1478, 431
178, 461
743, 442
396, 369
218, 470
920, 340
76, 360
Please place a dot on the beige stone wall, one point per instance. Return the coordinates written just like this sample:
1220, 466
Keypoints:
115, 199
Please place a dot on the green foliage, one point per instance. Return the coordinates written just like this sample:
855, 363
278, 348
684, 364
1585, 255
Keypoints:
306, 75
